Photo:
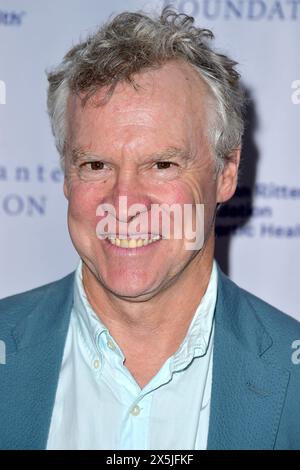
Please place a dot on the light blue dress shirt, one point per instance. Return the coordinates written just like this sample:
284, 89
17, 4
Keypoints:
98, 403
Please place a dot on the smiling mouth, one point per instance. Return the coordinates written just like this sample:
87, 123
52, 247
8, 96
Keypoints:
131, 243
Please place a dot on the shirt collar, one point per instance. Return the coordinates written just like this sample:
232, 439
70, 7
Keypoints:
195, 343
90, 325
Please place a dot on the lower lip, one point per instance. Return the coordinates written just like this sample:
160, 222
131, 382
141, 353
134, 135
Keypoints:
118, 250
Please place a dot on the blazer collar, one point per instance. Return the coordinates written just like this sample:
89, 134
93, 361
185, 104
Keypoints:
248, 392
50, 316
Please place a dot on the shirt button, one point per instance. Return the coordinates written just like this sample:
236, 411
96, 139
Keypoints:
111, 345
135, 410
96, 364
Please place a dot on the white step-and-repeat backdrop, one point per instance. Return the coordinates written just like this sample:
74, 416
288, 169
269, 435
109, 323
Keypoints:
258, 233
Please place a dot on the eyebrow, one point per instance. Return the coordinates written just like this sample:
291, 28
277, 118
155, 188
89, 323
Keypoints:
170, 152
78, 153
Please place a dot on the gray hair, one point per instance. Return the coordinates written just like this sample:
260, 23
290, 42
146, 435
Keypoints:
133, 42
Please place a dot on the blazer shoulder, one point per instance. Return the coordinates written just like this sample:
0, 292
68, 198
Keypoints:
14, 306
283, 329
274, 319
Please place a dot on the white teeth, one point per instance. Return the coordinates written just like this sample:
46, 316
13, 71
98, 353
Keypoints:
132, 242
124, 243
139, 243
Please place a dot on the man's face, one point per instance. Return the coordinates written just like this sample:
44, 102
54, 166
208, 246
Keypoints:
149, 144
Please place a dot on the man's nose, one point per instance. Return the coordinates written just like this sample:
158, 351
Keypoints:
130, 195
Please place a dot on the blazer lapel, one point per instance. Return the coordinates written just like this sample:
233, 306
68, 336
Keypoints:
28, 380
248, 393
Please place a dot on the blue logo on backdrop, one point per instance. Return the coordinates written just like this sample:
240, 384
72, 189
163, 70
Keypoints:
22, 202
11, 18
251, 10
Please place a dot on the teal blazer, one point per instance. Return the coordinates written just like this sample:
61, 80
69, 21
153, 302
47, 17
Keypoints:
255, 400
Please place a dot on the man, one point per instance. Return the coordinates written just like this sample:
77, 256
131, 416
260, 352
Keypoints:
148, 345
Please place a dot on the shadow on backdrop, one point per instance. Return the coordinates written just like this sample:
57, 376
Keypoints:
233, 216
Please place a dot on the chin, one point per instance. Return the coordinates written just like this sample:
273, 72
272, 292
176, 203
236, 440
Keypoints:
130, 287
121, 281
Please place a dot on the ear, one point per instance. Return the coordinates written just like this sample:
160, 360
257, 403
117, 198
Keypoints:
66, 188
228, 177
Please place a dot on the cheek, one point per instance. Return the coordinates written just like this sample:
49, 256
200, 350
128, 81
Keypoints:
176, 192
83, 203
195, 191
